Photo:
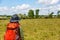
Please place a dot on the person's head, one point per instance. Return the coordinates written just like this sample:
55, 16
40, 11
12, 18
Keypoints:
14, 18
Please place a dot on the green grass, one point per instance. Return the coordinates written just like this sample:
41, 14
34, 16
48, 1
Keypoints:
36, 29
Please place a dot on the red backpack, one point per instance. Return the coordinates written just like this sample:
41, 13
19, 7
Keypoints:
12, 32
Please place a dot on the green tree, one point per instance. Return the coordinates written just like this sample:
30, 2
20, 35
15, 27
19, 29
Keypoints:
20, 15
51, 15
31, 14
37, 13
24, 16
58, 14
8, 16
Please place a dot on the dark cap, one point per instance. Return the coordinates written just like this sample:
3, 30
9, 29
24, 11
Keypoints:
14, 18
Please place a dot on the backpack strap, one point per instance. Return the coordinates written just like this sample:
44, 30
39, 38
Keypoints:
11, 28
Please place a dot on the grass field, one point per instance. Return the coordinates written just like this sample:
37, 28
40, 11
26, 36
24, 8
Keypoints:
36, 29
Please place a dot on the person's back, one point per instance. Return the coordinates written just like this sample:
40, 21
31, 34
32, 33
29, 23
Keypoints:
13, 30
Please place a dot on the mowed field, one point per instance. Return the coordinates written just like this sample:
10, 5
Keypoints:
36, 29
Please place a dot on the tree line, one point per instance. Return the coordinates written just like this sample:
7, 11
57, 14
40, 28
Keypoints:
33, 14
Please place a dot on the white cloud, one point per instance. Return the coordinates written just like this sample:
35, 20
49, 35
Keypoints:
54, 1
47, 2
15, 9
3, 8
23, 6
50, 9
53, 7
44, 1
20, 7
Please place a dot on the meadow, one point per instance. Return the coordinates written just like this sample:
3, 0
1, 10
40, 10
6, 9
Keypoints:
36, 29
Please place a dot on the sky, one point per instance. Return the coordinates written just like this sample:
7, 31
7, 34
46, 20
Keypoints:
10, 7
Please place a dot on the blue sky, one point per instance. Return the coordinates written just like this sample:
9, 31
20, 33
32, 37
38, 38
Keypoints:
11, 7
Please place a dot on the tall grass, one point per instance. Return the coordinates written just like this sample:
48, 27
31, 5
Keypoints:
36, 29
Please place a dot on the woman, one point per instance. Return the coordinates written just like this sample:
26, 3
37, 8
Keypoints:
13, 30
